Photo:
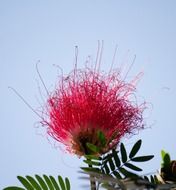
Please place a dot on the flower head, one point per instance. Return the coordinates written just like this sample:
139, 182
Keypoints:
87, 103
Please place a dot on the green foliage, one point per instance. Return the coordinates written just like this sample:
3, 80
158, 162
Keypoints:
117, 164
166, 160
92, 148
120, 165
152, 179
102, 138
41, 183
123, 153
142, 158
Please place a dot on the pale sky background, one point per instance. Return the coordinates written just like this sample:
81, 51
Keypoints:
48, 30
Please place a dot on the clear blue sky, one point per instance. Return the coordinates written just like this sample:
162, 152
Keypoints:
48, 30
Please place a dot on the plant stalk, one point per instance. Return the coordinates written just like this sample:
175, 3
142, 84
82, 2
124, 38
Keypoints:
92, 181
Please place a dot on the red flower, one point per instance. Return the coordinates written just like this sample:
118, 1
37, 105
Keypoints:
87, 102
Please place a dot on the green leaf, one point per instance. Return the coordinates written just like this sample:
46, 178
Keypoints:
142, 158
13, 188
127, 173
146, 178
107, 170
166, 160
117, 175
93, 157
55, 184
61, 182
116, 158
107, 157
92, 163
163, 153
48, 181
88, 169
25, 183
102, 138
92, 147
133, 167
33, 182
111, 164
123, 153
67, 183
152, 179
41, 182
135, 149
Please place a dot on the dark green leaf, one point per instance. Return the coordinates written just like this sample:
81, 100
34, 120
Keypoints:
88, 169
13, 188
49, 183
102, 138
116, 158
107, 170
25, 183
67, 183
133, 167
146, 178
152, 179
92, 163
123, 153
135, 149
61, 182
142, 158
166, 160
127, 173
93, 157
33, 182
111, 164
92, 147
107, 157
117, 175
41, 182
55, 184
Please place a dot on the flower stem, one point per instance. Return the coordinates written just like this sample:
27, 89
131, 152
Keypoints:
92, 181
